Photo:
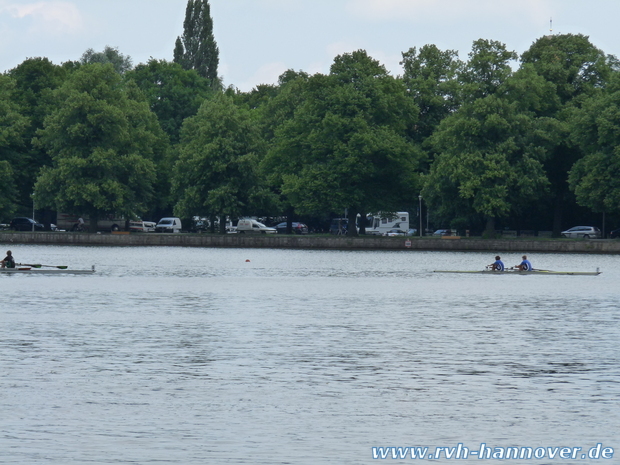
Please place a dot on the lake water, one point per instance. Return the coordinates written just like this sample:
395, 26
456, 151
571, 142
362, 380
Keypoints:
252, 356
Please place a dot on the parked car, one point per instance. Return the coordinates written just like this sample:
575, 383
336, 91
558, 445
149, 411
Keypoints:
614, 234
168, 225
442, 232
26, 224
298, 228
142, 226
395, 232
253, 226
582, 232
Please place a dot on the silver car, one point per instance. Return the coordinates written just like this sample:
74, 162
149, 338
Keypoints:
583, 232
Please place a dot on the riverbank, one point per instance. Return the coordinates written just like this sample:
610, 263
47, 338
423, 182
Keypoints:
525, 245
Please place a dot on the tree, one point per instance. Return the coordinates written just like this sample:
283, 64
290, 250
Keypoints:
110, 55
217, 170
346, 144
173, 93
35, 80
12, 128
104, 143
197, 48
489, 162
431, 77
486, 70
595, 178
576, 69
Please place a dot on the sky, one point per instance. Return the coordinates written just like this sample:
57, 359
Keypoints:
260, 39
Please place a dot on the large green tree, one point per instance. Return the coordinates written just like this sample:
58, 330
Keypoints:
346, 145
13, 126
173, 93
217, 170
595, 127
431, 77
489, 163
197, 48
576, 69
104, 143
35, 79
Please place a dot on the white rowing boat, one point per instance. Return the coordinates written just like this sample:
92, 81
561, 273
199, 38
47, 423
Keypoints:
37, 271
517, 272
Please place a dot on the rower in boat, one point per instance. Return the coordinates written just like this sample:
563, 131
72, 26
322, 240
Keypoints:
9, 261
497, 265
525, 265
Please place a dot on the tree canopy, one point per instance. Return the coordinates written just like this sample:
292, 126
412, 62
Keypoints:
104, 143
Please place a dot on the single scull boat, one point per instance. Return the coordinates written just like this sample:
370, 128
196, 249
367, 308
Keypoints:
29, 270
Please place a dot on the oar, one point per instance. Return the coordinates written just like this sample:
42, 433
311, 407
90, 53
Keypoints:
61, 267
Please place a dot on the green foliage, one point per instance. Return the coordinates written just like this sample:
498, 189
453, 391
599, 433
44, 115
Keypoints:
172, 92
104, 143
431, 78
13, 127
595, 178
488, 162
110, 55
35, 79
216, 173
341, 140
571, 63
486, 70
197, 48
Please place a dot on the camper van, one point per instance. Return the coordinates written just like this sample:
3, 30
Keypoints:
253, 226
380, 224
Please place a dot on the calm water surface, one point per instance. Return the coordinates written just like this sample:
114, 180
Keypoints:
199, 356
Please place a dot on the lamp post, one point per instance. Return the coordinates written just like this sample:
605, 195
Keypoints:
420, 199
33, 220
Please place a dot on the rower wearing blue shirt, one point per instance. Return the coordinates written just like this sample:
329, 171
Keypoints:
497, 265
525, 265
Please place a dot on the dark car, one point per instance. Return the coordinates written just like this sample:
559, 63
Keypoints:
614, 234
298, 228
26, 224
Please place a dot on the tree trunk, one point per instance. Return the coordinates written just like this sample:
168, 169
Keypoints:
352, 227
223, 224
558, 207
489, 230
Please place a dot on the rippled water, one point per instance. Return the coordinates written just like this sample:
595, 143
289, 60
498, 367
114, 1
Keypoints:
196, 356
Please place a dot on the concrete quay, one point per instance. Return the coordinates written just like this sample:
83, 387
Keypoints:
455, 244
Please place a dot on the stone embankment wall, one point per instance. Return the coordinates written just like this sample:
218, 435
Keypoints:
314, 242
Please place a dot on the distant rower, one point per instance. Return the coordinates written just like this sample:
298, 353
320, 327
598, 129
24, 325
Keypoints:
497, 265
525, 265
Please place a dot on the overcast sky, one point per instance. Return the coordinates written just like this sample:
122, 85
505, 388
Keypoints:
260, 39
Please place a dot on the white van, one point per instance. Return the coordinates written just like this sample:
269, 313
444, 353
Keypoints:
168, 225
253, 226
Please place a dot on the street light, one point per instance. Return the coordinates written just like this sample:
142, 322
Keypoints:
420, 199
33, 220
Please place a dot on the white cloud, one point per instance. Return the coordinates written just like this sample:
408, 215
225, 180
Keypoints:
417, 11
55, 17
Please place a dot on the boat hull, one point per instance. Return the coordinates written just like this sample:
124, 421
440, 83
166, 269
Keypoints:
44, 271
517, 272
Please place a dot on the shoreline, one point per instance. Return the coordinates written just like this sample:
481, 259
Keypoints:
443, 244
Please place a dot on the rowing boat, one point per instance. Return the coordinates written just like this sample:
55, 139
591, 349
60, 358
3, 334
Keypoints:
539, 272
36, 271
